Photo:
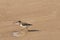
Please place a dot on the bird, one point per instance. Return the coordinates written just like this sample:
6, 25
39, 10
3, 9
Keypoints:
23, 24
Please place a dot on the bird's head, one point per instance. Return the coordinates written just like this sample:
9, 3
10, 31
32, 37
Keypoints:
18, 22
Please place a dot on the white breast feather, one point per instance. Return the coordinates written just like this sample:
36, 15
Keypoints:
23, 26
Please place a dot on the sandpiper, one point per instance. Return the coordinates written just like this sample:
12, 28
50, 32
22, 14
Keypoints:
23, 24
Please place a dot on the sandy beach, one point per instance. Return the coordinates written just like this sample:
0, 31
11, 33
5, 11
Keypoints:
44, 15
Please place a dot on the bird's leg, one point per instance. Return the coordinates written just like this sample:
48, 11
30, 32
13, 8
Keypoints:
26, 28
22, 29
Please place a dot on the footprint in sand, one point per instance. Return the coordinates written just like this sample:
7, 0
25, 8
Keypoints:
18, 34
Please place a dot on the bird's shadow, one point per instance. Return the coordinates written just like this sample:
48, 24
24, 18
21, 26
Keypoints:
33, 30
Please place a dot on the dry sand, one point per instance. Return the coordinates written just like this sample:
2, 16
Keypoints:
43, 14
